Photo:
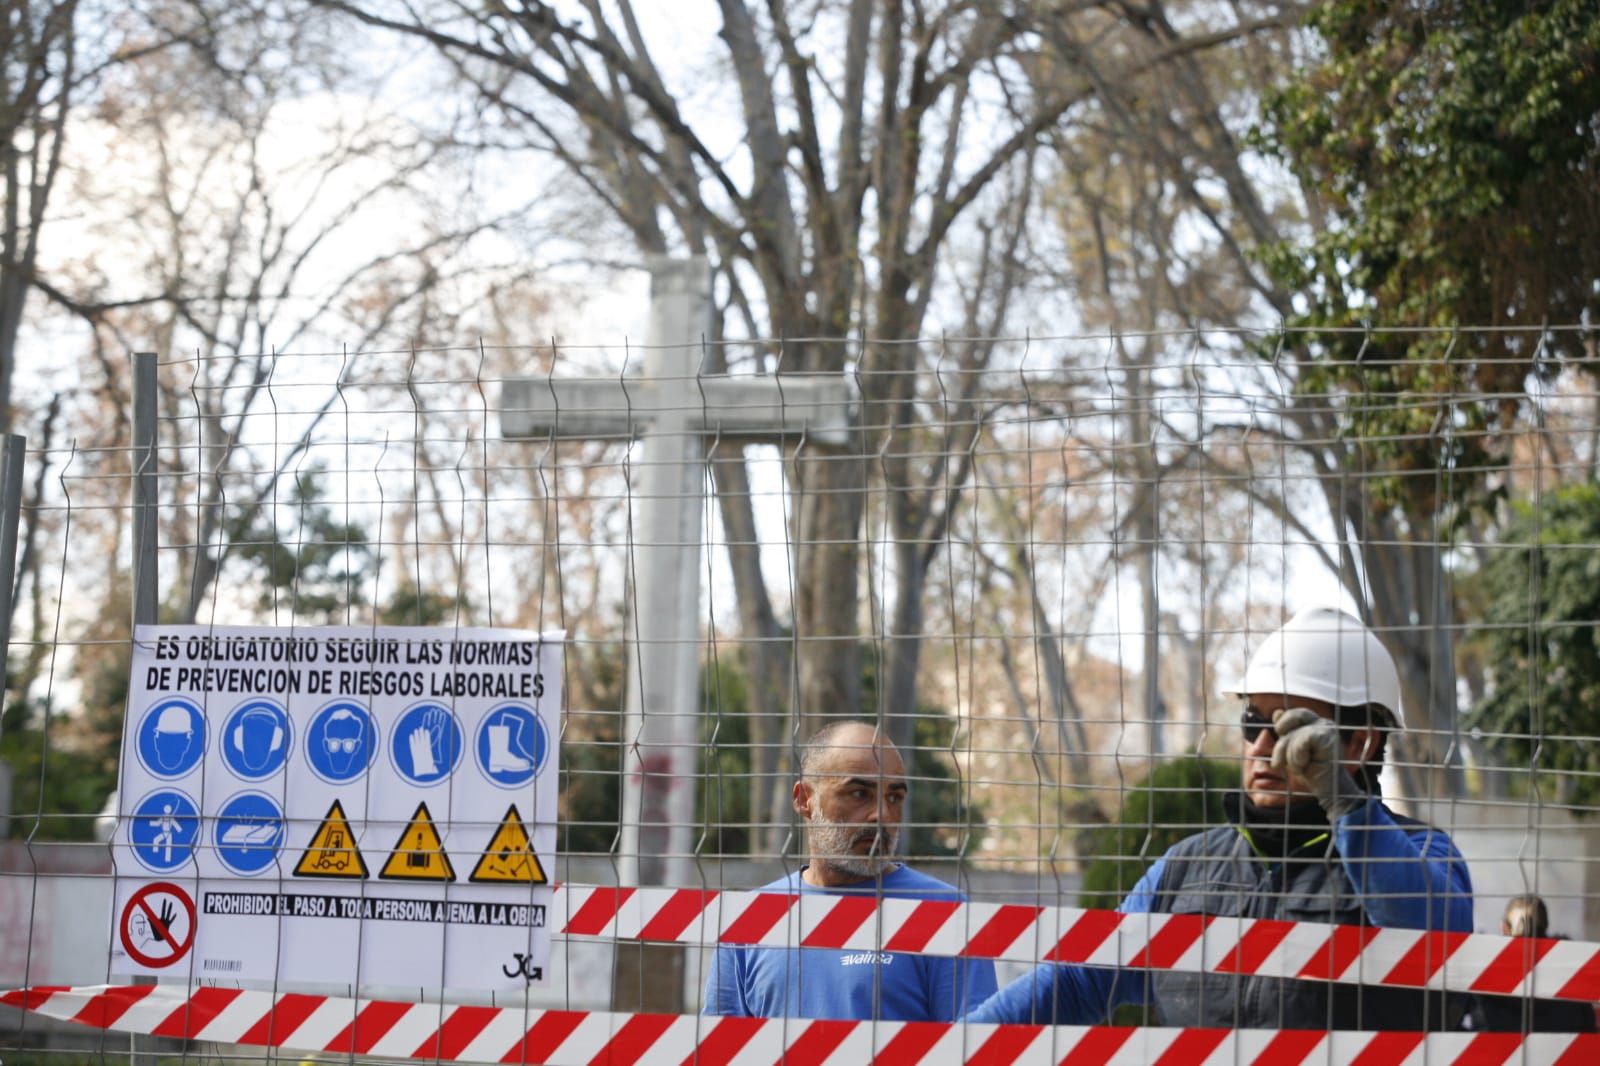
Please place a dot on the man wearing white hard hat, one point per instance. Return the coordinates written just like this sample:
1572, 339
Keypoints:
1308, 839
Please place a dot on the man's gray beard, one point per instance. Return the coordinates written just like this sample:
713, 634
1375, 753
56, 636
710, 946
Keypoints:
831, 842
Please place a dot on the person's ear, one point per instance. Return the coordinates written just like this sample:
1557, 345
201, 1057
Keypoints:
803, 794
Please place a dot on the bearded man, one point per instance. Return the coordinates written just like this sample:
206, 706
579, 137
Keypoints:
851, 795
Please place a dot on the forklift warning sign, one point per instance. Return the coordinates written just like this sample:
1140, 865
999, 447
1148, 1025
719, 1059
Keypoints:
332, 851
305, 805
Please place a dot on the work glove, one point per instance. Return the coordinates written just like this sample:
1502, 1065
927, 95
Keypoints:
1307, 753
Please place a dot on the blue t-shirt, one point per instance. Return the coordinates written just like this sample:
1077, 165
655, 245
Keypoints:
820, 983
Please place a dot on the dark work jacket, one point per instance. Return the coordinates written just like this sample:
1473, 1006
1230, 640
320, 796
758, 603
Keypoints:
1291, 873
1516, 1014
1284, 865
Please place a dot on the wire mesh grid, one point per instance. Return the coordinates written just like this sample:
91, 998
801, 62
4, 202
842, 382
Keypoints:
1033, 563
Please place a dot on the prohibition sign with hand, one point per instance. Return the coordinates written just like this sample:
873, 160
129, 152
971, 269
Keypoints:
148, 922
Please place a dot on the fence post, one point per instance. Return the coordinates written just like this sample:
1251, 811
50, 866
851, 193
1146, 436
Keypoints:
144, 489
12, 453
144, 548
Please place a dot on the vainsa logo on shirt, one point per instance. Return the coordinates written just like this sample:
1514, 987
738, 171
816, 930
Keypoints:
866, 958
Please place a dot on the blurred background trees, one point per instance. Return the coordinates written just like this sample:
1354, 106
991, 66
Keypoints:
1036, 236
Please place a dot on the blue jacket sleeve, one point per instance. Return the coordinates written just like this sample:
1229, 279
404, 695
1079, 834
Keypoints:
1074, 995
724, 993
957, 985
1409, 876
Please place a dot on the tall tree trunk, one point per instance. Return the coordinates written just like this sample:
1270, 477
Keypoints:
898, 694
1146, 501
766, 664
1064, 706
30, 564
830, 490
1155, 708
1408, 594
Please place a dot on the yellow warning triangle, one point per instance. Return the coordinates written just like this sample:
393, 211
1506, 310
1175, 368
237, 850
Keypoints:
509, 856
332, 851
419, 853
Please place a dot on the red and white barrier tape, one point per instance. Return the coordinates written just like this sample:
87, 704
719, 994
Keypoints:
303, 1023
1348, 954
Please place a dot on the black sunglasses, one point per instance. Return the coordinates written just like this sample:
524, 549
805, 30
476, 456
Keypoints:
1253, 722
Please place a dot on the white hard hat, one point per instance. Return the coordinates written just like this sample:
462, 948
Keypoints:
1324, 654
174, 719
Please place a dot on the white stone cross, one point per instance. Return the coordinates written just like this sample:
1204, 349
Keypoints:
673, 408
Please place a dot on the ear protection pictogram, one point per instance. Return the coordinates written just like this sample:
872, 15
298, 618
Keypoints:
277, 731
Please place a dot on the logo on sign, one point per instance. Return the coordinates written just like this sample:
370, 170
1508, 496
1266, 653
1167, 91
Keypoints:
523, 967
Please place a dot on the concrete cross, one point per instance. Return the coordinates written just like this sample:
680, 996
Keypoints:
673, 408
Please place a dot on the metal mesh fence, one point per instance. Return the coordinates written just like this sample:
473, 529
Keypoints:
1033, 563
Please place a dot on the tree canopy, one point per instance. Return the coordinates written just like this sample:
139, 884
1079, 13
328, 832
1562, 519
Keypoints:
1447, 157
1450, 156
1454, 152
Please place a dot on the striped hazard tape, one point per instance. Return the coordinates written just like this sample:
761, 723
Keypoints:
303, 1023
1348, 954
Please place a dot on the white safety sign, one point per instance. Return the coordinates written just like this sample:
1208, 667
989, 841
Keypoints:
338, 805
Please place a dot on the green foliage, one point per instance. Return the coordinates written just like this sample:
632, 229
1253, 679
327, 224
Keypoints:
60, 779
591, 750
727, 780
1457, 144
1454, 151
57, 787
63, 757
944, 822
1180, 798
1541, 587
591, 795
322, 572
411, 606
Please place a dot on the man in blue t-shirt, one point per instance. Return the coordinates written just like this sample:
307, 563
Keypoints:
851, 793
